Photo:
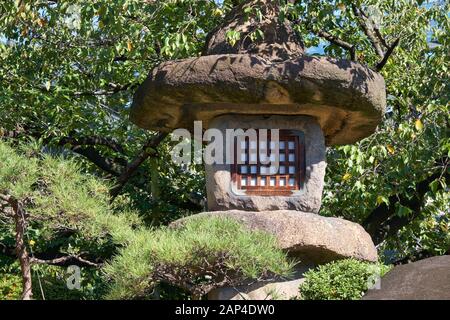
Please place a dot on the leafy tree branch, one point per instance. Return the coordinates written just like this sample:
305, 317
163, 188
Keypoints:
384, 220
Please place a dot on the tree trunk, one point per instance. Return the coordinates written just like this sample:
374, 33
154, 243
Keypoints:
21, 249
154, 183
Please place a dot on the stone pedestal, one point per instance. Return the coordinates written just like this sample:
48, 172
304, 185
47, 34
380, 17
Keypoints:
310, 238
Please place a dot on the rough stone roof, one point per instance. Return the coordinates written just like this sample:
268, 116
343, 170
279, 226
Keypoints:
271, 75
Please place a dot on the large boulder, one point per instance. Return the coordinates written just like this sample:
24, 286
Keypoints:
307, 236
282, 290
427, 279
278, 289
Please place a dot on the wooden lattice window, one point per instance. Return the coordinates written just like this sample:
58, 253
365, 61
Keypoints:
255, 178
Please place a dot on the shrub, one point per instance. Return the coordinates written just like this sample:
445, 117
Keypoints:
203, 254
52, 282
59, 197
10, 281
68, 213
340, 280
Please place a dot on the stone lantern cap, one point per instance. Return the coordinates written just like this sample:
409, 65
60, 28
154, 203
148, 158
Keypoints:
269, 75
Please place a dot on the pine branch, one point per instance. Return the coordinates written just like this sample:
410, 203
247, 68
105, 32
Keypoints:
93, 141
132, 167
67, 260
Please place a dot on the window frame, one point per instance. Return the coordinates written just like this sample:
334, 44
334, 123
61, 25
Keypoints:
285, 135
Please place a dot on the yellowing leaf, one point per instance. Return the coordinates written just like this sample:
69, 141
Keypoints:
341, 6
390, 149
24, 32
129, 45
418, 124
346, 176
381, 199
41, 22
32, 242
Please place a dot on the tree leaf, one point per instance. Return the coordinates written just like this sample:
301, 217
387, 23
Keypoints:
346, 176
418, 124
390, 149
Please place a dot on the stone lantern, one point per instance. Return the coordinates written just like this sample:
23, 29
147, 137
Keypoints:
269, 83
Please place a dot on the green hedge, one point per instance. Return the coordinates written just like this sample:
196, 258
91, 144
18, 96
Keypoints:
340, 280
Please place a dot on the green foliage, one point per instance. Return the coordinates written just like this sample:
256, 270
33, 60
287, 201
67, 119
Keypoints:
71, 56
59, 198
69, 213
10, 286
197, 254
53, 281
10, 280
341, 280
69, 69
49, 282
